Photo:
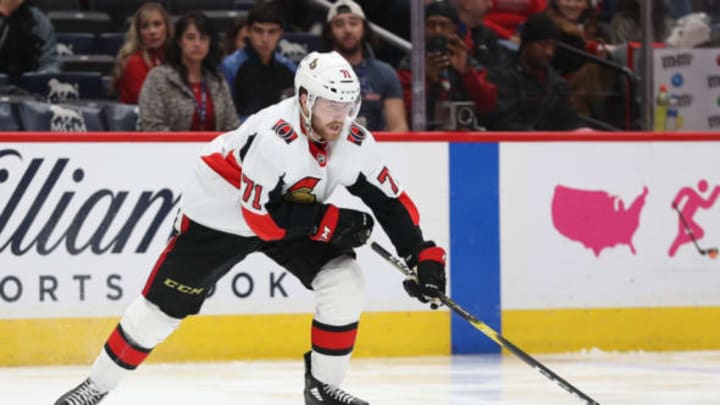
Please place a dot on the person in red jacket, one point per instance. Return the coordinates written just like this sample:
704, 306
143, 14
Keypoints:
144, 48
506, 16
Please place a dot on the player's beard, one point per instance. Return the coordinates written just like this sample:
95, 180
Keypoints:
329, 134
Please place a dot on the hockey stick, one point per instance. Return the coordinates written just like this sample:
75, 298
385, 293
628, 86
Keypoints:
711, 252
488, 331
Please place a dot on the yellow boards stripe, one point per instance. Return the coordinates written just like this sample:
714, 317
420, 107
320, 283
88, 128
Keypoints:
565, 330
229, 337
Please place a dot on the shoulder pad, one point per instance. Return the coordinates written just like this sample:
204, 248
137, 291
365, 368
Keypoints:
357, 134
285, 131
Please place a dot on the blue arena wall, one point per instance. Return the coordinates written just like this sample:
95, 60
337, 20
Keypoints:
475, 243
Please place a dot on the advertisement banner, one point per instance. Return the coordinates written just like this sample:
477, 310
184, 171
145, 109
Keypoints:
81, 225
692, 78
593, 225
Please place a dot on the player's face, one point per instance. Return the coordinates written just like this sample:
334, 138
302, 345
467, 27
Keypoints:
329, 116
194, 45
347, 32
153, 31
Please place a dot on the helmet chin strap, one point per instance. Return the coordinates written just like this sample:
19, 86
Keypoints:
307, 122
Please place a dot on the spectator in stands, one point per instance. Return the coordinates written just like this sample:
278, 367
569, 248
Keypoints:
532, 96
235, 37
482, 41
590, 84
625, 24
348, 33
505, 17
188, 92
451, 73
146, 42
258, 74
27, 40
580, 29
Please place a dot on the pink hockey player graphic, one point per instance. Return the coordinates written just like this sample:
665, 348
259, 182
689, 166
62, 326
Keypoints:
596, 219
687, 202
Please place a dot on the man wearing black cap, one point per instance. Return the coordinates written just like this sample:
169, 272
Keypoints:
532, 96
451, 73
258, 75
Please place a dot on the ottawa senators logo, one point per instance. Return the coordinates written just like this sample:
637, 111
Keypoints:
302, 191
357, 135
285, 131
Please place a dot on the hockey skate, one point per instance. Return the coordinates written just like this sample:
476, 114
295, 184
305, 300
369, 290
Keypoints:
84, 394
319, 393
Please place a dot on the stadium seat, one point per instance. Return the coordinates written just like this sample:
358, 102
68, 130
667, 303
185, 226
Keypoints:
80, 21
107, 82
8, 118
121, 117
75, 43
59, 87
119, 11
183, 6
37, 116
311, 42
243, 4
57, 5
295, 45
109, 43
87, 63
224, 19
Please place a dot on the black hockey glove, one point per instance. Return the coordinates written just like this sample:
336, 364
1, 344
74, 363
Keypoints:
343, 227
428, 262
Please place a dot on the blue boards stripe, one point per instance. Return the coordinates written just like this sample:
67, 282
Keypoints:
475, 242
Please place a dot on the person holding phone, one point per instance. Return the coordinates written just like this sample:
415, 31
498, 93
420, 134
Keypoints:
451, 73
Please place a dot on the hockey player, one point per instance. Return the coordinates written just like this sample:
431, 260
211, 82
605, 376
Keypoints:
261, 188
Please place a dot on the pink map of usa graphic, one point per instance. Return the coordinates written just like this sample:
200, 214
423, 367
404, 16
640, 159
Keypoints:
596, 219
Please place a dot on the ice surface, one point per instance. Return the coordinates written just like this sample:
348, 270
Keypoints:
610, 378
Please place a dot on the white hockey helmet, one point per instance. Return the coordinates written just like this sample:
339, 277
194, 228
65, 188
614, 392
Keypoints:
328, 76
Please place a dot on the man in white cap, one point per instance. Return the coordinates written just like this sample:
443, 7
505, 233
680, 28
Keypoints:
347, 32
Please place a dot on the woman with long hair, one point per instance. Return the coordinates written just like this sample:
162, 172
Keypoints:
145, 45
187, 92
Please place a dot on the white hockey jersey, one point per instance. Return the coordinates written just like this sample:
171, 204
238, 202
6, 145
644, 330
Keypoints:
268, 179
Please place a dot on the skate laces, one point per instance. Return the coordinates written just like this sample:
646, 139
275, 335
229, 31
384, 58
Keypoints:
338, 394
84, 394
